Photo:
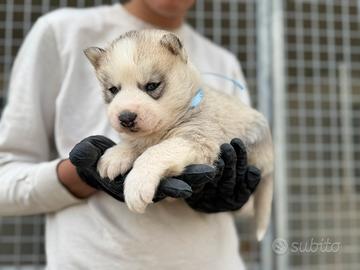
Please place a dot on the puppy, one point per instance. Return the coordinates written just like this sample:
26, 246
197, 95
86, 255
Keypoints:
168, 118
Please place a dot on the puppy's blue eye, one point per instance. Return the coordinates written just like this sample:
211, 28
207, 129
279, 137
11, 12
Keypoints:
113, 90
151, 86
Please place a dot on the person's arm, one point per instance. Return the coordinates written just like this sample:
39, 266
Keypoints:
29, 182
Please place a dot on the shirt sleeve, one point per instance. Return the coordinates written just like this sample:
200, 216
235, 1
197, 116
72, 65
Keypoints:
238, 76
28, 178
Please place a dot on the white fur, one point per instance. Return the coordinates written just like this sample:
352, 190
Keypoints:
168, 135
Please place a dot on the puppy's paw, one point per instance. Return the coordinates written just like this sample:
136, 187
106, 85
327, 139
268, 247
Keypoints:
114, 162
139, 190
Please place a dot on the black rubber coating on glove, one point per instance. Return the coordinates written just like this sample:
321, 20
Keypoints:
226, 186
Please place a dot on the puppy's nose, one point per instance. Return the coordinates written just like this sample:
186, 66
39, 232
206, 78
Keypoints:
127, 118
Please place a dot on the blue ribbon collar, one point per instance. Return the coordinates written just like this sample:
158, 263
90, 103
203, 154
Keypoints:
196, 100
199, 95
235, 82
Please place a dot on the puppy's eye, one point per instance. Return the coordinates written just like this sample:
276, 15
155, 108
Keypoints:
113, 90
151, 86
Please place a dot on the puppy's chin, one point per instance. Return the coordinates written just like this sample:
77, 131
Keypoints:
137, 130
130, 130
127, 130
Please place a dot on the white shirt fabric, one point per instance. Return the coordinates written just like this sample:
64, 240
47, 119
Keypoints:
54, 102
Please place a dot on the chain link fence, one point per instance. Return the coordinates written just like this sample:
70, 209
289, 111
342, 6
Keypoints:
302, 59
322, 91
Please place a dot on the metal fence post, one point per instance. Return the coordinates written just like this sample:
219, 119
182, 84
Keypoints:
263, 71
279, 127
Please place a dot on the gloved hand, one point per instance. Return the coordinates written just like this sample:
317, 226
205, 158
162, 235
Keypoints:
232, 186
203, 182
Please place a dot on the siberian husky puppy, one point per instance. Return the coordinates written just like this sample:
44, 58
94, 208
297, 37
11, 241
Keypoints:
168, 118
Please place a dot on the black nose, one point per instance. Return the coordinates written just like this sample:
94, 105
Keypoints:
127, 118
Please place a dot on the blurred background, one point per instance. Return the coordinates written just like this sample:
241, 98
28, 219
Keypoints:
301, 59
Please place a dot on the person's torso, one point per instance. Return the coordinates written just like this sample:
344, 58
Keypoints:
102, 233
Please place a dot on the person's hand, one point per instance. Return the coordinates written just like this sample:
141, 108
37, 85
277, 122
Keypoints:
85, 156
225, 187
232, 186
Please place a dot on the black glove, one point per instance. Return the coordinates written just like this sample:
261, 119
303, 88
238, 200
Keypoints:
232, 185
224, 187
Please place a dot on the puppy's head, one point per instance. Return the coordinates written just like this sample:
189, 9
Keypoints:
147, 80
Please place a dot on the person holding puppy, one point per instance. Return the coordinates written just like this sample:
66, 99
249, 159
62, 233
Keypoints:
55, 103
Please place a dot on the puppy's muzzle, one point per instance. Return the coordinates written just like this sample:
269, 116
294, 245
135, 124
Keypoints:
127, 119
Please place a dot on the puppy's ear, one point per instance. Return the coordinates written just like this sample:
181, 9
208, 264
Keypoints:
172, 43
94, 54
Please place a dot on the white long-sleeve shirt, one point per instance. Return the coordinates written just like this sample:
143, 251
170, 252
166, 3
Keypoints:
54, 102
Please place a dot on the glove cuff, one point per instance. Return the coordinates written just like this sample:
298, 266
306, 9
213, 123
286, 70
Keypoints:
89, 179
